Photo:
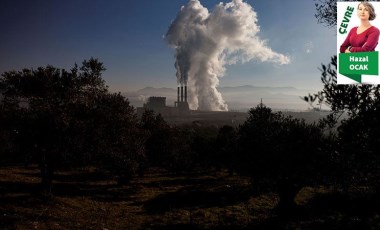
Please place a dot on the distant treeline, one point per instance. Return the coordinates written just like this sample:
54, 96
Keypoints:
61, 119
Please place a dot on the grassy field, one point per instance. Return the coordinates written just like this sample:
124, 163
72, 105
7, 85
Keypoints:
87, 199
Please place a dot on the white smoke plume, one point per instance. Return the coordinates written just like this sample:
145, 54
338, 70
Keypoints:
206, 41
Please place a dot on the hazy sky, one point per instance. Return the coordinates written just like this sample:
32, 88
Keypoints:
127, 36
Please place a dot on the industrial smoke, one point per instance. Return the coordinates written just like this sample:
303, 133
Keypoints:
205, 42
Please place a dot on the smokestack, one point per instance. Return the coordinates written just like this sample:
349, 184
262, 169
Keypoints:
185, 93
178, 94
236, 41
181, 93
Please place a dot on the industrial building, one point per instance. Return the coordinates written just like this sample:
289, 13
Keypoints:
158, 104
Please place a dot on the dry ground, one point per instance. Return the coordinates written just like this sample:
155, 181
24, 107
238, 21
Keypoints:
87, 199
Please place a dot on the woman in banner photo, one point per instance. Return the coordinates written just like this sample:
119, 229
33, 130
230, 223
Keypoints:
363, 38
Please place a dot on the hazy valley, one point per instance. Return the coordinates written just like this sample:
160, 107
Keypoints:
238, 98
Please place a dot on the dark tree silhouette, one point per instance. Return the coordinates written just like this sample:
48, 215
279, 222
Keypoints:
40, 95
204, 151
353, 99
116, 138
327, 11
356, 137
226, 145
281, 154
159, 138
167, 147
179, 158
311, 98
68, 118
7, 118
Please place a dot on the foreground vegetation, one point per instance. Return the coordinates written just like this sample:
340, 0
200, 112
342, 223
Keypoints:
99, 165
88, 199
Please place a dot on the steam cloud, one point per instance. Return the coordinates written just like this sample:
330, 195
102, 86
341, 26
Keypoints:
206, 41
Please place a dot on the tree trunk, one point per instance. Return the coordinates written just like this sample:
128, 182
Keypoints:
47, 172
287, 193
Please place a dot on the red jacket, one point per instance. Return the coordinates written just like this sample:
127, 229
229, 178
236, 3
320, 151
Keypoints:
363, 42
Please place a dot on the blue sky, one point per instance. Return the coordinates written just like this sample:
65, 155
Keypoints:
127, 36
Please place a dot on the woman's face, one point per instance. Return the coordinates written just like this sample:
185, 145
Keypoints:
363, 12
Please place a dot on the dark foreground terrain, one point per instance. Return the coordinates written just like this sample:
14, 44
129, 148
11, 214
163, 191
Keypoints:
87, 199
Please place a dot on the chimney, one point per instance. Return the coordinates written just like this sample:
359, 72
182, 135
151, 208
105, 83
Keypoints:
181, 93
178, 94
185, 93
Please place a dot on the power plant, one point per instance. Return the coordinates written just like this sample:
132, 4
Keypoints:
181, 103
158, 104
180, 113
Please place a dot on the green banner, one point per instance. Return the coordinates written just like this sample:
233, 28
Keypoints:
354, 65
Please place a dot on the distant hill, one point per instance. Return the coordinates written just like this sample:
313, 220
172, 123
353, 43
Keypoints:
156, 91
250, 88
238, 98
